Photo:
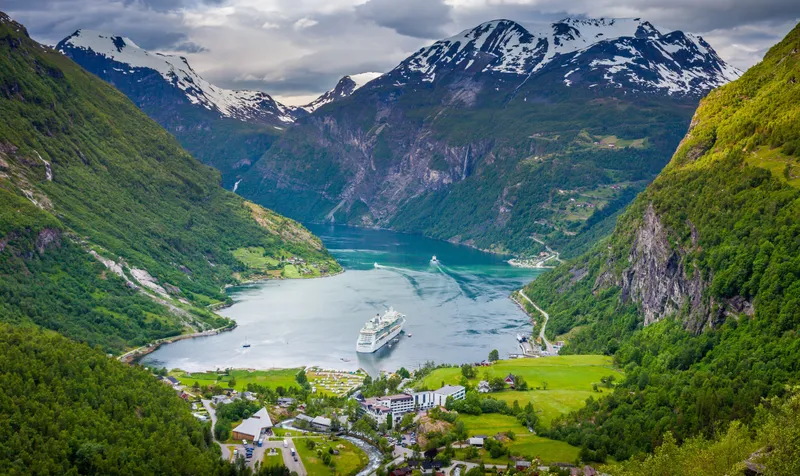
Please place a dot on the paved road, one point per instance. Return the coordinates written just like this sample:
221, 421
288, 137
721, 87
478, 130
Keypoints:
288, 460
550, 349
226, 454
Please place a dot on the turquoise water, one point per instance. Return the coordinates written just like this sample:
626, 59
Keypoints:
457, 310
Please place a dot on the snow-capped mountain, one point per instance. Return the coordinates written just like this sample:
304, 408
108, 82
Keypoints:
629, 53
121, 62
344, 88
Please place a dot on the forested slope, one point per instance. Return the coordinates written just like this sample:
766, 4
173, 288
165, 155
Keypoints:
86, 177
697, 291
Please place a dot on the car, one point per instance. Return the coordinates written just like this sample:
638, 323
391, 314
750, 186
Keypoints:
295, 457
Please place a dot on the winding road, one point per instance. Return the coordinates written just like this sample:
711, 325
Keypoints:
550, 349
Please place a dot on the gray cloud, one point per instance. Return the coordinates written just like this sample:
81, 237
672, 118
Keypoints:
302, 47
190, 47
416, 18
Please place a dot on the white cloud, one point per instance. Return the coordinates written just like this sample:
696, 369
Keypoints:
299, 48
304, 23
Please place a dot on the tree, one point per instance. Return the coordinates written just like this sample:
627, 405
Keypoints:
468, 371
407, 420
497, 384
232, 382
520, 384
301, 377
404, 373
545, 385
494, 355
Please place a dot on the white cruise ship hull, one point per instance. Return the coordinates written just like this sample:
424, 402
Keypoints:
368, 348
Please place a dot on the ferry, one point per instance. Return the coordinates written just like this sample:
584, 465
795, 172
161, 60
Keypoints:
379, 331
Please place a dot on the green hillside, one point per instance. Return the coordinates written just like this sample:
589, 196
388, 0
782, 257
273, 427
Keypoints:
69, 409
708, 257
84, 177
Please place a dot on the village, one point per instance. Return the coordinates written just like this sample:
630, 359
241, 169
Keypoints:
395, 424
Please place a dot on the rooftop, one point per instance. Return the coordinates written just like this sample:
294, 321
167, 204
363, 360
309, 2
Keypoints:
450, 389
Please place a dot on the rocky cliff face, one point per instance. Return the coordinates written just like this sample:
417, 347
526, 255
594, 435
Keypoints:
661, 281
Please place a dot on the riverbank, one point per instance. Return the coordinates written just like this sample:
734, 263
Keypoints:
139, 352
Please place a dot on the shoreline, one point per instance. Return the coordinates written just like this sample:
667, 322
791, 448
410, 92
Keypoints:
134, 355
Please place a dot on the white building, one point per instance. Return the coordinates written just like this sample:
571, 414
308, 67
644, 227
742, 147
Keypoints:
398, 405
253, 427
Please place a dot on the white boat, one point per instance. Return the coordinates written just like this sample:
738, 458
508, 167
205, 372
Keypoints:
521, 338
379, 331
434, 260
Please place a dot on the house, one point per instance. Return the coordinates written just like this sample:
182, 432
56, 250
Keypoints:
170, 380
304, 418
474, 441
250, 396
253, 427
404, 471
220, 400
286, 402
483, 386
509, 380
200, 416
522, 465
321, 423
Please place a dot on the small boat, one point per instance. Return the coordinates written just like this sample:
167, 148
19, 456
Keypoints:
434, 260
246, 344
375, 264
409, 334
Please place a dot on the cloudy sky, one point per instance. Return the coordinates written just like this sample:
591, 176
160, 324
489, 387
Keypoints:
296, 49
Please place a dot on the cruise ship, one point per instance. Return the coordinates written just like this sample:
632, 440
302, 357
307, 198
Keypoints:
379, 330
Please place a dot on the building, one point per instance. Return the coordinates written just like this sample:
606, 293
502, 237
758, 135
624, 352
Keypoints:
321, 423
509, 380
457, 392
304, 418
379, 408
286, 402
483, 387
522, 465
220, 400
475, 441
170, 380
252, 428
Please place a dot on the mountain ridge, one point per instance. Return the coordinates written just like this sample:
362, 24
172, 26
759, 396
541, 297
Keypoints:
459, 120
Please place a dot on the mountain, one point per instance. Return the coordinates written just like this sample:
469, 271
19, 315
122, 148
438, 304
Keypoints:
696, 292
110, 232
344, 88
497, 135
223, 128
617, 53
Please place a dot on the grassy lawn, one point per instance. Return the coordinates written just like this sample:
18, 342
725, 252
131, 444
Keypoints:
569, 381
525, 444
269, 378
349, 460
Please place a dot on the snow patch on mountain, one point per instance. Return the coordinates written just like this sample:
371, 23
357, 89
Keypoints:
129, 58
344, 88
623, 51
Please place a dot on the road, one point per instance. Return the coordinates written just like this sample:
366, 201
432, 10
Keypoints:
550, 349
226, 454
288, 460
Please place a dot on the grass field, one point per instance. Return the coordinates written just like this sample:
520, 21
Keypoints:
348, 462
776, 162
269, 378
569, 381
525, 443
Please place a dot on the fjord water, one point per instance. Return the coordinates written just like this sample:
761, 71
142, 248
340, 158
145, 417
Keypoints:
457, 310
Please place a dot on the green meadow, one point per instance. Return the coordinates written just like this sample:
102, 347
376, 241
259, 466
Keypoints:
269, 378
349, 460
524, 444
568, 380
